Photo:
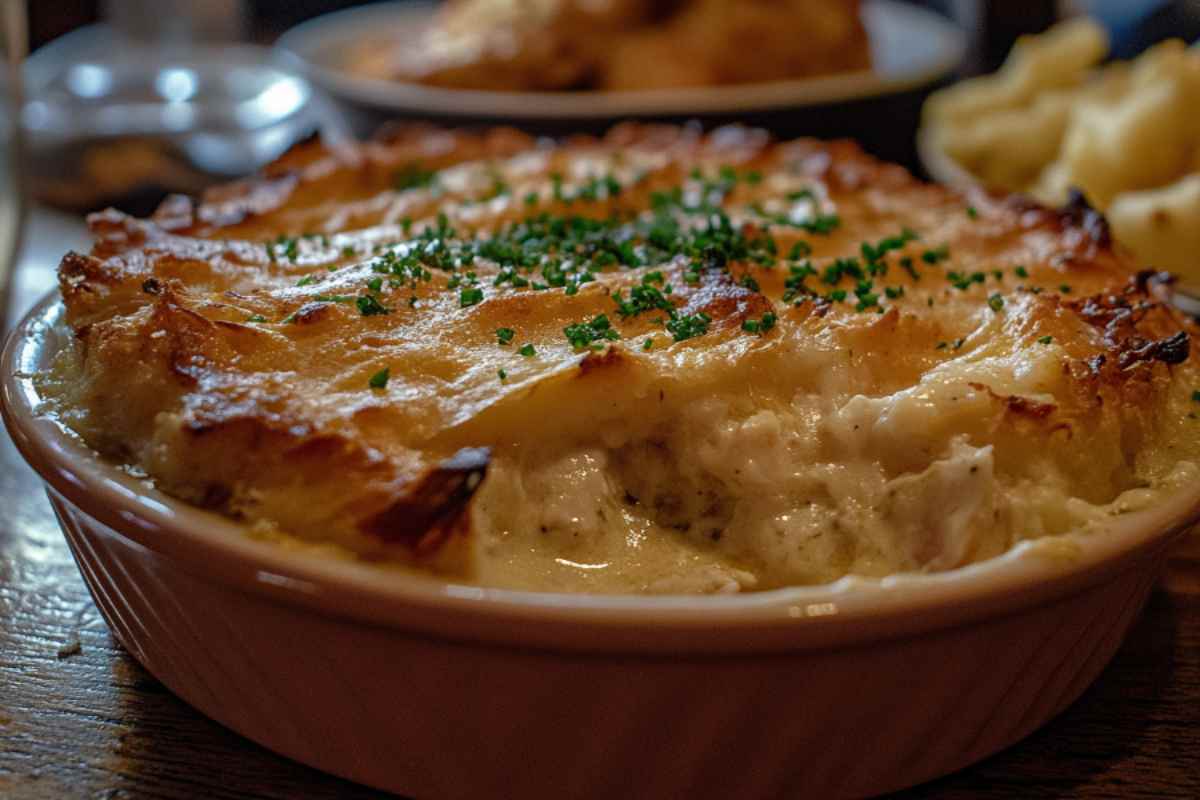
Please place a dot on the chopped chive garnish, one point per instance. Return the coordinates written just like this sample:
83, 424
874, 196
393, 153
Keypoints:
689, 326
369, 306
470, 296
583, 335
380, 379
413, 176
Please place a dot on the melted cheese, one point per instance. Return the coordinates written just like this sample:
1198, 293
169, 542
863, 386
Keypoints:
913, 430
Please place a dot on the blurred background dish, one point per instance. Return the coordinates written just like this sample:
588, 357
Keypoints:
351, 54
622, 45
1054, 121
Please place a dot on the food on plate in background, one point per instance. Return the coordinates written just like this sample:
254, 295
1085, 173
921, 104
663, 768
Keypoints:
658, 361
552, 45
1052, 119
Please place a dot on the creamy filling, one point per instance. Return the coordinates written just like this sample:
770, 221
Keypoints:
719, 501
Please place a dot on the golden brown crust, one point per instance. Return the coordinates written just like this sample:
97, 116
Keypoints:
233, 365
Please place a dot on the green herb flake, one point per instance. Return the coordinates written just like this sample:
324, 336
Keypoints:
1196, 396
799, 250
972, 212
648, 344
369, 306
996, 303
962, 281
413, 176
689, 326
380, 379
504, 336
1021, 272
935, 255
584, 335
760, 326
527, 350
1049, 339
1065, 288
257, 318
502, 373
290, 245
469, 296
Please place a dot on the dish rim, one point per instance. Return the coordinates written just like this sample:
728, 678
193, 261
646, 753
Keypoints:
850, 611
302, 42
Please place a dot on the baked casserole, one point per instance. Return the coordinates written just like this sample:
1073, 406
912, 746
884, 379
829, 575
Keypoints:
657, 361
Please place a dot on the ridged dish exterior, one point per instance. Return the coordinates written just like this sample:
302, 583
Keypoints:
441, 718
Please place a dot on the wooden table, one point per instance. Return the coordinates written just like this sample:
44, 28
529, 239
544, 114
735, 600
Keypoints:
80, 718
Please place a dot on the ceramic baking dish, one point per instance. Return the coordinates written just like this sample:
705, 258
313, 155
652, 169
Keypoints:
438, 690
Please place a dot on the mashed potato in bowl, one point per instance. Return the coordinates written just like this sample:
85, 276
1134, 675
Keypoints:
659, 361
1052, 119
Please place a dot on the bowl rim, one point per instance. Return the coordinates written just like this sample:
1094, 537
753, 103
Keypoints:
852, 611
947, 45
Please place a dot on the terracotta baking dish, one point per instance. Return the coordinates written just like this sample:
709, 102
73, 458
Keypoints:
437, 690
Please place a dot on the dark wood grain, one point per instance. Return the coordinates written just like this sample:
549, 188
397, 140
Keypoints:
80, 718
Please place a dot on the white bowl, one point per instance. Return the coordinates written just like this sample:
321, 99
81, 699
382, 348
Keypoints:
432, 689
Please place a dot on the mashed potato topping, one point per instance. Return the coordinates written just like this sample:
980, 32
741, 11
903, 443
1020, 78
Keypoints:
655, 362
